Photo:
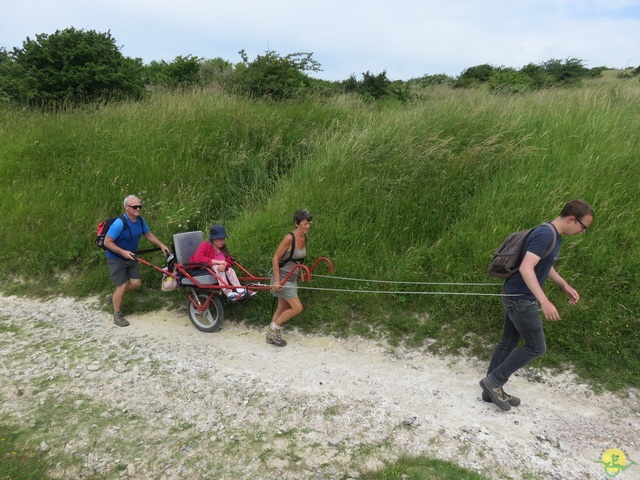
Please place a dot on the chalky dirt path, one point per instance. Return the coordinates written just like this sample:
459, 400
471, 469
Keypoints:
161, 400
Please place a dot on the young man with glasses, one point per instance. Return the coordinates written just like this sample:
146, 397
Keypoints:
122, 242
524, 296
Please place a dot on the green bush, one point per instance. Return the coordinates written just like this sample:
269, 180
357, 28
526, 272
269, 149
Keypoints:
479, 74
69, 67
539, 77
439, 79
508, 80
272, 76
376, 87
181, 72
553, 72
567, 72
218, 72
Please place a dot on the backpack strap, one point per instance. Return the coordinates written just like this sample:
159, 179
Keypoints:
283, 261
549, 250
141, 221
142, 225
553, 242
125, 225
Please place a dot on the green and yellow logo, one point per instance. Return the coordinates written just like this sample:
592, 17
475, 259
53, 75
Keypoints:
614, 462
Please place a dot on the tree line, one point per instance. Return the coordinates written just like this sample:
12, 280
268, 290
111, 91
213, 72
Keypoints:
73, 67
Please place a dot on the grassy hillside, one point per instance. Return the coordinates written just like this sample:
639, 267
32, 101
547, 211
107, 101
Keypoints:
414, 193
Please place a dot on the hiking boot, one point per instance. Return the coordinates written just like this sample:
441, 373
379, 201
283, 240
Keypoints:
273, 337
109, 298
119, 320
496, 394
513, 401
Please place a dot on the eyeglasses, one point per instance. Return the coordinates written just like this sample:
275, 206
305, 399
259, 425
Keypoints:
138, 207
585, 229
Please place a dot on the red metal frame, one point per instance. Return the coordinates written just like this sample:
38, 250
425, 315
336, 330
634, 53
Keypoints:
181, 269
205, 305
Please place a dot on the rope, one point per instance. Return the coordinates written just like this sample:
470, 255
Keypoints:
387, 292
405, 293
407, 283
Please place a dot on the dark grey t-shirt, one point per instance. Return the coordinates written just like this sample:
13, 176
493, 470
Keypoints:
538, 242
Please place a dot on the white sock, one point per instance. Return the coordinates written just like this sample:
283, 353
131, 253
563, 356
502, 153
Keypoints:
273, 326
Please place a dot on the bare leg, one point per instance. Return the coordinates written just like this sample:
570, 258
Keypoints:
287, 309
120, 290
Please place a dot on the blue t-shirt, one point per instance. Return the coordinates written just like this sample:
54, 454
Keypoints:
129, 238
538, 242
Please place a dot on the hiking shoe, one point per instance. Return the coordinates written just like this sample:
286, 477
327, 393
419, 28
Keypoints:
513, 401
274, 338
496, 394
109, 298
119, 320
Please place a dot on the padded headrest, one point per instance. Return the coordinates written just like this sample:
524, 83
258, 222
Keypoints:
186, 244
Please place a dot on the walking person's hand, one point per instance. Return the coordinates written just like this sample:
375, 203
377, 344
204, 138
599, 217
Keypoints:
570, 292
550, 311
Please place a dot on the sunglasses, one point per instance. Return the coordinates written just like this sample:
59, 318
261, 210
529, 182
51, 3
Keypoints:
135, 207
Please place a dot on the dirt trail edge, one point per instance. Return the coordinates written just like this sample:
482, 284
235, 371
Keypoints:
161, 400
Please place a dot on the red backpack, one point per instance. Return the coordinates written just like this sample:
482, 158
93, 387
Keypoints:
103, 228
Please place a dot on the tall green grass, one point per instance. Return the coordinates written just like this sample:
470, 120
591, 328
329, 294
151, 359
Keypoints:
420, 192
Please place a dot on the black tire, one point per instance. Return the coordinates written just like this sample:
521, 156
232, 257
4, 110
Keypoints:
210, 319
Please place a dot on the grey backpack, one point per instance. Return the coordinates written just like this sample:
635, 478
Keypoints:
506, 261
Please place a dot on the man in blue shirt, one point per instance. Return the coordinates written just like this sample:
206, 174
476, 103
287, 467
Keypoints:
121, 243
523, 295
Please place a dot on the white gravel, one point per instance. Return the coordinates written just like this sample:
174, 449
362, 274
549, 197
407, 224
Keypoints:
161, 400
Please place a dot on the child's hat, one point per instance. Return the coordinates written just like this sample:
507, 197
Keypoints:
216, 232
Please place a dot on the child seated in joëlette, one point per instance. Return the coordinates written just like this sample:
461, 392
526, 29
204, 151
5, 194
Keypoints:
211, 253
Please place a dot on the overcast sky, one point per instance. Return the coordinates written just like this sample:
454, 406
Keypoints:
405, 38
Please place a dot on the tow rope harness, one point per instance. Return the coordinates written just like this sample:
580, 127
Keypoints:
403, 292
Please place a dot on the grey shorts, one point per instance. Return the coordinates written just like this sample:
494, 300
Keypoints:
289, 290
121, 270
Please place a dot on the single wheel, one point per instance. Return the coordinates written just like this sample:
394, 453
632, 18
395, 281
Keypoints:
210, 319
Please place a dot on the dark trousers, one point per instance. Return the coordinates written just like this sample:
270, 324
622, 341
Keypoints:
521, 321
